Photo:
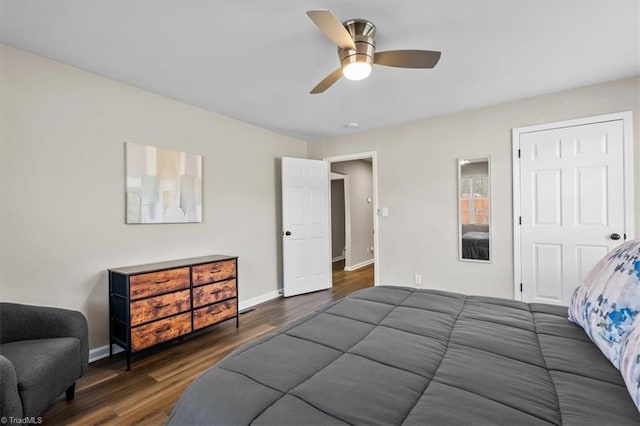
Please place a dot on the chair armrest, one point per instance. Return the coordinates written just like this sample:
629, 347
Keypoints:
26, 322
10, 403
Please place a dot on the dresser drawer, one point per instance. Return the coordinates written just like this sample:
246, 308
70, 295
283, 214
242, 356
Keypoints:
217, 271
160, 331
211, 293
215, 313
145, 285
157, 307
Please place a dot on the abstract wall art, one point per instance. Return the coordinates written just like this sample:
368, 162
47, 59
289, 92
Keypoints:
162, 186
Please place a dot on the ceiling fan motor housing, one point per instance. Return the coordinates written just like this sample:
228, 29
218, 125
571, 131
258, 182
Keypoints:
357, 49
362, 32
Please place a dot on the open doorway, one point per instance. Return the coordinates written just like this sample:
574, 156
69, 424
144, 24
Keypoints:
340, 218
354, 242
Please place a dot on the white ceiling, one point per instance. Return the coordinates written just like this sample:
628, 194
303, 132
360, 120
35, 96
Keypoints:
257, 60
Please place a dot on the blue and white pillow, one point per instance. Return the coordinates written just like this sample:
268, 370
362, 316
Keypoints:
608, 301
630, 361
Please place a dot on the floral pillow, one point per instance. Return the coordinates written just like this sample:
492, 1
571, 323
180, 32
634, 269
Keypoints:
608, 301
630, 361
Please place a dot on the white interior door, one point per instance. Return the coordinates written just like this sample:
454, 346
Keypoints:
305, 220
572, 205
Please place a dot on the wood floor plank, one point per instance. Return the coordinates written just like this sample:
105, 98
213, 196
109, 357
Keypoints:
110, 395
196, 361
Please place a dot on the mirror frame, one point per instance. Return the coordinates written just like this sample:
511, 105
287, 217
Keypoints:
459, 181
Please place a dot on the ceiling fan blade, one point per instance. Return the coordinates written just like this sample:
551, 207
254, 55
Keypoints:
327, 82
332, 28
407, 58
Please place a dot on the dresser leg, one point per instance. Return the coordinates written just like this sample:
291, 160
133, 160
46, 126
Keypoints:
128, 362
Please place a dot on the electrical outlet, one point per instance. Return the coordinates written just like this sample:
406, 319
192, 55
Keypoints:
417, 279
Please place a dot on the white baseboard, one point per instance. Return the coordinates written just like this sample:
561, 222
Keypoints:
358, 265
103, 351
337, 259
246, 304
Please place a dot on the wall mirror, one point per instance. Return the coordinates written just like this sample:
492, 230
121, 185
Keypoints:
474, 208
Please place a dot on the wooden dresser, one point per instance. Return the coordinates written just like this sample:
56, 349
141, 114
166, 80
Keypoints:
158, 302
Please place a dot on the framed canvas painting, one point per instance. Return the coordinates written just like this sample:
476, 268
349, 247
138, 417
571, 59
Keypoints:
162, 186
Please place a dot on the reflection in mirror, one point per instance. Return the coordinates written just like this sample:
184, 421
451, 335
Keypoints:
474, 205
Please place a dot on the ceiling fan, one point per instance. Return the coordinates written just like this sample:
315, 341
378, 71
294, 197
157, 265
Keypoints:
357, 49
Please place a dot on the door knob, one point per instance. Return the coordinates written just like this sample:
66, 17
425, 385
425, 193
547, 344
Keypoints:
287, 233
614, 236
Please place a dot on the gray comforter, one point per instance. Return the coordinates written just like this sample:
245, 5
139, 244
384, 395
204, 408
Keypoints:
397, 355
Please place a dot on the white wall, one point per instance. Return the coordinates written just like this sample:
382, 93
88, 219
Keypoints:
361, 210
417, 181
62, 187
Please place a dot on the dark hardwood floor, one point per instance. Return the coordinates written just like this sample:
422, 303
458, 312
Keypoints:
108, 394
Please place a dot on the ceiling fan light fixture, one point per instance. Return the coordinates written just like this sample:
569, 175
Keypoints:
357, 50
356, 70
356, 63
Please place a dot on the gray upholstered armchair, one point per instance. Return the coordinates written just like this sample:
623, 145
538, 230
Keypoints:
43, 351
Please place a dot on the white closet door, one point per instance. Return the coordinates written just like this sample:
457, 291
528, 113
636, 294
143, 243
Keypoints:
572, 205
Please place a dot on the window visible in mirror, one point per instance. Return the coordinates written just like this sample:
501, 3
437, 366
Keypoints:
474, 209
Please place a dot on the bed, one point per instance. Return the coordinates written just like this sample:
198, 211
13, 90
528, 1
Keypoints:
475, 242
398, 355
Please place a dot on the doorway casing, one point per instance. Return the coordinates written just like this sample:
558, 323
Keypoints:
371, 155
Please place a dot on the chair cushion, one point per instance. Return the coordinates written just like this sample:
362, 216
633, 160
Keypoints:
45, 368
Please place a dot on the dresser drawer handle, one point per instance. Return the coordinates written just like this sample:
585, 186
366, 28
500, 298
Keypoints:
161, 306
163, 329
215, 271
162, 281
215, 292
215, 312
